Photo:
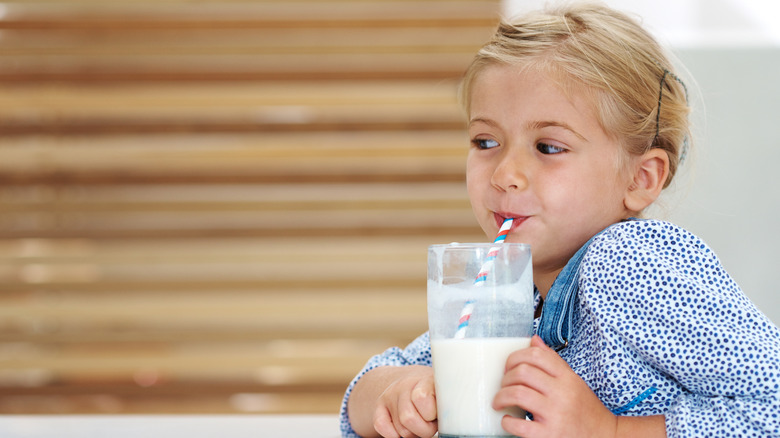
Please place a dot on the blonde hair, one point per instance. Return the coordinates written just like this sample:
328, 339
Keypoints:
591, 48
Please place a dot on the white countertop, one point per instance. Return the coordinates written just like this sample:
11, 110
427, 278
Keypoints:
169, 426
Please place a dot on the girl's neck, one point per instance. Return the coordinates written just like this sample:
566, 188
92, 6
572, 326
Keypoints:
544, 281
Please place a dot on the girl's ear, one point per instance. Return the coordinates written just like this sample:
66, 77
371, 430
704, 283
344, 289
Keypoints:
649, 178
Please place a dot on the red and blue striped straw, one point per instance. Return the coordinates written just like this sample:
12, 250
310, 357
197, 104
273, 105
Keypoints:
487, 265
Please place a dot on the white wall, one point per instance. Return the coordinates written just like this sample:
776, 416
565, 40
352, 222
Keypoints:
729, 192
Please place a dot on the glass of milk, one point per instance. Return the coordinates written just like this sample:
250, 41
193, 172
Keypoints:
474, 325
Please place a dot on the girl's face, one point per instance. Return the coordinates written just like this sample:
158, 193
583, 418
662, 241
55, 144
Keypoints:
542, 158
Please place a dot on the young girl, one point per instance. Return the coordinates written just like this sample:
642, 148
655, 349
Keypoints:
577, 123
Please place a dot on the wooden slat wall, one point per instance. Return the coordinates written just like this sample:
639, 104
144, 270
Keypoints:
222, 206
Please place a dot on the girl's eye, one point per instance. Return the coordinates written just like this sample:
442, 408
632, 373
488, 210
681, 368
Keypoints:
484, 143
549, 149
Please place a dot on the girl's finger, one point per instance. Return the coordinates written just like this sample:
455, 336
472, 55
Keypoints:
408, 421
424, 400
383, 423
522, 396
529, 375
399, 429
522, 427
540, 356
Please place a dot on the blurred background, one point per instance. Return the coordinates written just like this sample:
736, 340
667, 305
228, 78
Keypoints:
224, 206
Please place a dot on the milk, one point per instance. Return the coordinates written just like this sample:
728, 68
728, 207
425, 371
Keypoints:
467, 374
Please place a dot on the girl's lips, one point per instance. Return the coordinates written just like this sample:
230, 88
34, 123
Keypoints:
517, 219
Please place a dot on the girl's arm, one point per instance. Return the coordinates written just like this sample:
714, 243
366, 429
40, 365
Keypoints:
641, 427
373, 381
665, 299
562, 404
361, 403
394, 401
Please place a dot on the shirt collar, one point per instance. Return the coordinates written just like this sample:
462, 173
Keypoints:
555, 323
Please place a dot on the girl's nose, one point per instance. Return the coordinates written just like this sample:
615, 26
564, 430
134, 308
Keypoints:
510, 174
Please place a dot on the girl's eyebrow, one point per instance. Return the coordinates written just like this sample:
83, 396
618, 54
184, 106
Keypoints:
534, 125
556, 124
483, 120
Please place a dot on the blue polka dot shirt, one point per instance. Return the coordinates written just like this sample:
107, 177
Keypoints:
659, 327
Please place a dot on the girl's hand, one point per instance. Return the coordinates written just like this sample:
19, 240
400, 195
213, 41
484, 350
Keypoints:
541, 382
407, 408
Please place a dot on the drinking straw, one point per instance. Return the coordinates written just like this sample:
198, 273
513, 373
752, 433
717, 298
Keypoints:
487, 265
463, 321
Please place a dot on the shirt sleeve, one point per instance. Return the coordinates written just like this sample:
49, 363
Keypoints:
675, 305
416, 353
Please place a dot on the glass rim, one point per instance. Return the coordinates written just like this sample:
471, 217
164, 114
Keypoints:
478, 245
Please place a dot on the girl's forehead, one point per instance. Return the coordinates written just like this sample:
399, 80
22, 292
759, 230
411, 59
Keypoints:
565, 83
560, 85
515, 83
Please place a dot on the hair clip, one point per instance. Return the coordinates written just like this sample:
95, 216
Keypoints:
684, 151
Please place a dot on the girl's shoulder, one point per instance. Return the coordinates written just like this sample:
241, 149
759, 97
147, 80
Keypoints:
652, 257
661, 239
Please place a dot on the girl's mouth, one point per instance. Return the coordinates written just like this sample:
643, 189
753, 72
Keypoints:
517, 219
